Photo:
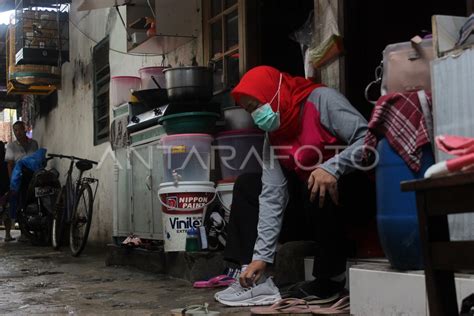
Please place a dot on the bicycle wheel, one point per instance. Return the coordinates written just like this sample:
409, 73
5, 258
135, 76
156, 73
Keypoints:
81, 220
59, 220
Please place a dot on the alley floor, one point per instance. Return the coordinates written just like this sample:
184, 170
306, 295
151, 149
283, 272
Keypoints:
39, 280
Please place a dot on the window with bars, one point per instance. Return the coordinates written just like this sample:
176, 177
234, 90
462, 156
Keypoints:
222, 41
100, 57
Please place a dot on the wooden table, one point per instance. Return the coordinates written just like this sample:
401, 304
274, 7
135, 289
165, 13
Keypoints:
436, 199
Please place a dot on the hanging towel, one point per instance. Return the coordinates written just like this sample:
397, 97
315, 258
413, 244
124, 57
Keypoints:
399, 118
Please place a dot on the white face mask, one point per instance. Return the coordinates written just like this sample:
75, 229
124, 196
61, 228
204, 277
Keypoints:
264, 117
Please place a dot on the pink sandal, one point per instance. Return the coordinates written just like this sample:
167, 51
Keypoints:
218, 281
340, 308
284, 306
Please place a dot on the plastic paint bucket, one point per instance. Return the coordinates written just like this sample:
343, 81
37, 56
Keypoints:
183, 207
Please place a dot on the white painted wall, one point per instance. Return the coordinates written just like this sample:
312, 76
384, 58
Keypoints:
68, 128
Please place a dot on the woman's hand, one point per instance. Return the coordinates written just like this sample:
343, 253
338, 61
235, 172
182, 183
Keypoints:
253, 273
322, 181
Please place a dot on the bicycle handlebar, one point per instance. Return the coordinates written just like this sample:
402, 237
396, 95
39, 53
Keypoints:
72, 158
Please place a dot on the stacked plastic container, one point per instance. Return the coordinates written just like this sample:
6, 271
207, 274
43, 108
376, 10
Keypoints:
240, 151
120, 89
146, 79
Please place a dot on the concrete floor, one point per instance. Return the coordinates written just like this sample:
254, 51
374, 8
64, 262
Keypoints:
39, 280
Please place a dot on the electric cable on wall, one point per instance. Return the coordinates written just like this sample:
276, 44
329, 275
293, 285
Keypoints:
111, 49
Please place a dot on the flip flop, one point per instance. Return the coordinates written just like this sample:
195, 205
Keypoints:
340, 308
284, 306
316, 300
194, 310
218, 281
297, 291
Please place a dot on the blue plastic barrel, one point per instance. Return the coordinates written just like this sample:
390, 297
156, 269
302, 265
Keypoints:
397, 218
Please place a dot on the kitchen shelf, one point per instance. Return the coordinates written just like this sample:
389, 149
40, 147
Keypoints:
177, 23
160, 44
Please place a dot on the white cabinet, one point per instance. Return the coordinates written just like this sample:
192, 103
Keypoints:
145, 177
138, 175
121, 203
141, 190
156, 180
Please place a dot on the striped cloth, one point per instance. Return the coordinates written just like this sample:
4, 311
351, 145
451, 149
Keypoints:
399, 118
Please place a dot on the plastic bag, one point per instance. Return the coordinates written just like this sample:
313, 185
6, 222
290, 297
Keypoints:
33, 162
331, 46
305, 37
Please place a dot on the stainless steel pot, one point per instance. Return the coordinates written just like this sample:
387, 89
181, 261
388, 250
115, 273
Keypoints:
238, 118
189, 83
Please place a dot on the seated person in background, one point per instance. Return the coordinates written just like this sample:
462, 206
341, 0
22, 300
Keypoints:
308, 189
21, 147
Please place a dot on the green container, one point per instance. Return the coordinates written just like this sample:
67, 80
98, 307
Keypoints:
189, 122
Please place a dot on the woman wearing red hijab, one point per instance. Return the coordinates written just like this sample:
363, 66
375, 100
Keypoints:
314, 139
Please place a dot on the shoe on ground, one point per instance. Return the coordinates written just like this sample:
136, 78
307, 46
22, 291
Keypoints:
265, 293
233, 288
318, 291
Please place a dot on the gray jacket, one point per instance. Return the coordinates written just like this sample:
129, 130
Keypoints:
342, 120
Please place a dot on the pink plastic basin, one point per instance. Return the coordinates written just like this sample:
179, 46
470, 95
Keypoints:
120, 89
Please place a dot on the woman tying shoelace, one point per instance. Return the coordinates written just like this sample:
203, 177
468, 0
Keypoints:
310, 187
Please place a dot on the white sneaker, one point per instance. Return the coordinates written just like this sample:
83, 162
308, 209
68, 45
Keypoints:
233, 288
265, 293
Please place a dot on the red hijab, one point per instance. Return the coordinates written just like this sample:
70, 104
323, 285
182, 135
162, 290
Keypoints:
261, 83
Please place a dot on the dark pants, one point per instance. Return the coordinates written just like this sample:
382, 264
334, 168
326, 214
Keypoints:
303, 220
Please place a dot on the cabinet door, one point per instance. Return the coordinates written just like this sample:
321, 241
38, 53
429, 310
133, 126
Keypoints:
453, 114
122, 209
141, 190
157, 179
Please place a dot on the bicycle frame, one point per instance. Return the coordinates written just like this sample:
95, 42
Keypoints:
73, 189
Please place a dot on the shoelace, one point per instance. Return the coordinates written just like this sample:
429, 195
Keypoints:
244, 290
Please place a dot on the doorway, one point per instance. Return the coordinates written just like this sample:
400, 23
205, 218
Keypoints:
371, 25
278, 19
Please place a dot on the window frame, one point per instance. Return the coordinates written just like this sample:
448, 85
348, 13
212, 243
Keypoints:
101, 83
247, 30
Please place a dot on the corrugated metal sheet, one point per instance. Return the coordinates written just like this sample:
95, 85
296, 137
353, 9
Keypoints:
453, 111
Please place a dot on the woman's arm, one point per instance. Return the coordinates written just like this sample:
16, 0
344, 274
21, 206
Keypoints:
342, 120
272, 202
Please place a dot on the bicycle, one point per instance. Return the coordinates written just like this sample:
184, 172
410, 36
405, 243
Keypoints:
74, 206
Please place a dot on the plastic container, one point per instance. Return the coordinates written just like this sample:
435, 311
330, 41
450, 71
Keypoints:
189, 122
224, 192
192, 240
397, 218
120, 89
240, 151
183, 207
147, 81
186, 157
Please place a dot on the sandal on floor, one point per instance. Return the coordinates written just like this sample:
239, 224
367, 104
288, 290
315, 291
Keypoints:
194, 310
297, 291
284, 306
315, 300
8, 239
340, 308
218, 281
